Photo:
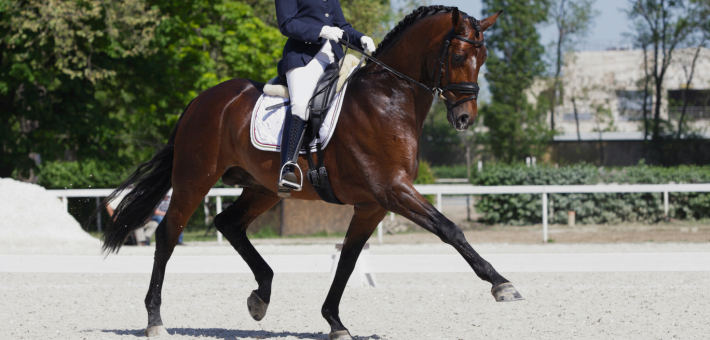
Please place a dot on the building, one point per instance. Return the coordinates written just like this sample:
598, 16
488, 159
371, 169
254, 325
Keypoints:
606, 91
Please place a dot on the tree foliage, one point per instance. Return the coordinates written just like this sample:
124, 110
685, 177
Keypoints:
104, 80
53, 57
516, 127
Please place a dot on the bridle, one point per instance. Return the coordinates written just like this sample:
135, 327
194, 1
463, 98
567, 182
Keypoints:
442, 66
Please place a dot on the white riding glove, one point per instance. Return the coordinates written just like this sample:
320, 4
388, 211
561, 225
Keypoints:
368, 44
331, 33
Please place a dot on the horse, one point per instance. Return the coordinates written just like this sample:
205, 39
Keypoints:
372, 158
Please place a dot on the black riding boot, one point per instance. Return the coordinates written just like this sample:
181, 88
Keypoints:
291, 140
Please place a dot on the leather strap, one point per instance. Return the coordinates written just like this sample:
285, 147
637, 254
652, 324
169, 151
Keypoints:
373, 59
442, 66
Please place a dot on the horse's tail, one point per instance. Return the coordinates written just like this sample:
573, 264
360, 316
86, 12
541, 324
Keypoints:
150, 182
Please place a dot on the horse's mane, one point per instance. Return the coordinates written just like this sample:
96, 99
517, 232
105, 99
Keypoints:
415, 16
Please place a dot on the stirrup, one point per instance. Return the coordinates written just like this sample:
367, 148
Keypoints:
288, 184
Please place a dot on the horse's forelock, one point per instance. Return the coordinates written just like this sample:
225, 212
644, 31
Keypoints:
475, 24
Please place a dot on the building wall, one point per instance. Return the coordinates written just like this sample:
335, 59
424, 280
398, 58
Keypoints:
594, 77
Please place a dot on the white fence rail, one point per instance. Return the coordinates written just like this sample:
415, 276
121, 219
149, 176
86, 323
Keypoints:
465, 189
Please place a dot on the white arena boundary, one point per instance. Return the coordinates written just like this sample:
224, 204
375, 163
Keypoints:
462, 189
506, 263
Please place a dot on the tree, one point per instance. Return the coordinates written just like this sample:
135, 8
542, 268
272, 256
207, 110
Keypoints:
104, 80
516, 128
573, 19
662, 25
53, 56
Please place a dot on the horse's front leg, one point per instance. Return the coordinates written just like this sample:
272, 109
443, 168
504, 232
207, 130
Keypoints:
403, 199
364, 222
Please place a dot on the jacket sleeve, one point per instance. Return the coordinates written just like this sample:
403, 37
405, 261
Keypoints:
291, 27
339, 20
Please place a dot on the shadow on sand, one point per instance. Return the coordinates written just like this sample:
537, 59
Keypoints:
234, 334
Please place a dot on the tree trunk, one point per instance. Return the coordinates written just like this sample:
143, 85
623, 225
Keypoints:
556, 86
645, 93
576, 118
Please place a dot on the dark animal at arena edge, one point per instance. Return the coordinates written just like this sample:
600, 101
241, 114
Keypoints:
372, 159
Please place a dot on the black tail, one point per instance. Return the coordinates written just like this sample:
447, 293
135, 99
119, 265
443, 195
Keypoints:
151, 181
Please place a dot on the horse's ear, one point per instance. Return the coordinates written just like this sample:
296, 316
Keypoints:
488, 22
458, 21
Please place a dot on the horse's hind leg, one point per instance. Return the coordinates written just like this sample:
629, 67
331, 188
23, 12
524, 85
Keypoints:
233, 224
182, 204
364, 222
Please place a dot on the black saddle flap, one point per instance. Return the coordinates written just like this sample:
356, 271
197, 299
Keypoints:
321, 101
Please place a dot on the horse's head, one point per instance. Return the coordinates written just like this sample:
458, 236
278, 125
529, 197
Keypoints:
459, 66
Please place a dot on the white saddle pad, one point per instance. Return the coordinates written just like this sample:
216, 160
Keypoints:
267, 126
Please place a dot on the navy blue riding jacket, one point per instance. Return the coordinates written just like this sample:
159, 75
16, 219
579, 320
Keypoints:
301, 21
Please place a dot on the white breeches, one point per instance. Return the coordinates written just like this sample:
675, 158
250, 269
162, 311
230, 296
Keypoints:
302, 81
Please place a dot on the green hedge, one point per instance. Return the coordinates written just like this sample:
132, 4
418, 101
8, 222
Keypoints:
80, 175
525, 209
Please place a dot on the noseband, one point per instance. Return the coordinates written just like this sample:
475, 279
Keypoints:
442, 66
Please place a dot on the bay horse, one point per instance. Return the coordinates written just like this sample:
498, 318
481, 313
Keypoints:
372, 158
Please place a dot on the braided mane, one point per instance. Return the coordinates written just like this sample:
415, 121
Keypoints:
416, 15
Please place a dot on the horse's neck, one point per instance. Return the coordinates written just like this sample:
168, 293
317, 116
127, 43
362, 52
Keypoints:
409, 55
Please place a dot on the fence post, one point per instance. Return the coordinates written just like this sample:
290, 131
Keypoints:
379, 232
66, 203
219, 210
544, 217
206, 208
665, 203
98, 215
438, 201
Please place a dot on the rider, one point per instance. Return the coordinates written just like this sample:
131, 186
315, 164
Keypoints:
313, 28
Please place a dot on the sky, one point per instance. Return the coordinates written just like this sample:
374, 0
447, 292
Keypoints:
608, 28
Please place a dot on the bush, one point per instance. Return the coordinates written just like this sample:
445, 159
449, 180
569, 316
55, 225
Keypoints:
455, 171
79, 175
525, 209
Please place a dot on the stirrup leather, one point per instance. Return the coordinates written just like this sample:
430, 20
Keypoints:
285, 184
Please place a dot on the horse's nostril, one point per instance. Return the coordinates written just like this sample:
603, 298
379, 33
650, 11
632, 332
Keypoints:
463, 119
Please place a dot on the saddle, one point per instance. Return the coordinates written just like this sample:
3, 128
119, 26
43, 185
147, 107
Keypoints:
329, 84
319, 105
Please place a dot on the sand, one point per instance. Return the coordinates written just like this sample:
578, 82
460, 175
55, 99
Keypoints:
405, 306
32, 220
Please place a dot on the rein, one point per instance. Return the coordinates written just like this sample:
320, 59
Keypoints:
442, 66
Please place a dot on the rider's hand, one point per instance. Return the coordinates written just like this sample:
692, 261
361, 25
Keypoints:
331, 33
367, 44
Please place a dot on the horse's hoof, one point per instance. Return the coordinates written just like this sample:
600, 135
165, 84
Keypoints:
340, 335
156, 331
506, 293
257, 306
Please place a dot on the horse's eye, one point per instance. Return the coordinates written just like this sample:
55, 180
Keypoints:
458, 58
